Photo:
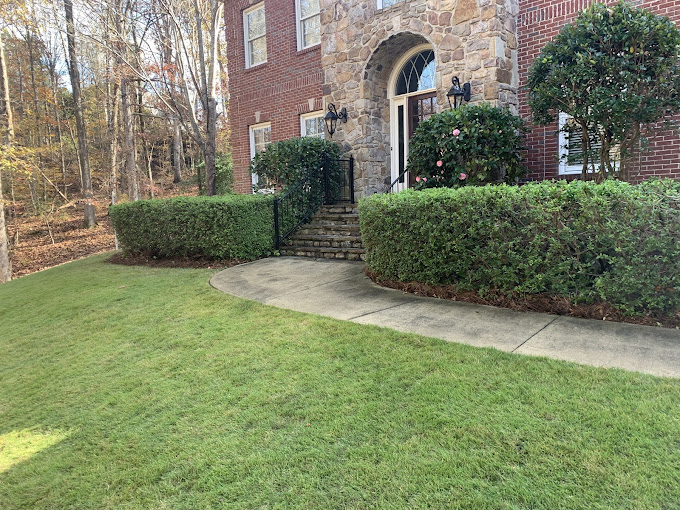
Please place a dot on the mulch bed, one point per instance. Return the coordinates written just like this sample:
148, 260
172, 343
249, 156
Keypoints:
172, 262
542, 303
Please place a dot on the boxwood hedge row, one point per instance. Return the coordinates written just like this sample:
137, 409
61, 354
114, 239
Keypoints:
220, 227
585, 241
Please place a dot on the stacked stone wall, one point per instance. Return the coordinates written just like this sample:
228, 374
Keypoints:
472, 39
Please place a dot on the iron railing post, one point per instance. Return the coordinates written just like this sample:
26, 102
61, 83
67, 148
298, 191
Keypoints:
277, 237
351, 179
327, 180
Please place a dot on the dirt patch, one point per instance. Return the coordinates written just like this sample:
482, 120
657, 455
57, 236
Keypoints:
542, 303
42, 242
173, 262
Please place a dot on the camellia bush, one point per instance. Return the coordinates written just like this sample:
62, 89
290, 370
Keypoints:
218, 227
581, 240
474, 144
615, 70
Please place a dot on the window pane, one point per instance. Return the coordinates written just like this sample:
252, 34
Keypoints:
389, 3
417, 74
256, 24
262, 137
311, 31
308, 7
314, 126
258, 51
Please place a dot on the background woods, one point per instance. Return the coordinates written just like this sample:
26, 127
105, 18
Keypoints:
101, 102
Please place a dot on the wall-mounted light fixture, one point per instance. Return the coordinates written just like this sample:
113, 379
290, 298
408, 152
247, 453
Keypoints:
458, 93
332, 118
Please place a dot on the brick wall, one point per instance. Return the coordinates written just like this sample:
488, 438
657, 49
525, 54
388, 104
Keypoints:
538, 22
278, 91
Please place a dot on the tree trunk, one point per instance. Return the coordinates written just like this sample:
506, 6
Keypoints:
112, 125
74, 73
177, 151
129, 141
8, 129
129, 150
5, 268
6, 117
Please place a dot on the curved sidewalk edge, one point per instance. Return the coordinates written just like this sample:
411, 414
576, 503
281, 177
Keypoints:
339, 289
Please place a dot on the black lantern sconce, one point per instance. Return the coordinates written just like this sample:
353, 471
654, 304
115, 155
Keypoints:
458, 93
332, 118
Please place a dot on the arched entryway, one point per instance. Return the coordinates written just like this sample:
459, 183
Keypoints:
371, 137
413, 98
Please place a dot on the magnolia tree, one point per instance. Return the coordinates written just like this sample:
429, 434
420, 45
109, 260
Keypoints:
615, 71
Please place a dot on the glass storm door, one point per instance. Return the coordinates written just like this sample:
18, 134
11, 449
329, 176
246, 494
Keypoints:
420, 108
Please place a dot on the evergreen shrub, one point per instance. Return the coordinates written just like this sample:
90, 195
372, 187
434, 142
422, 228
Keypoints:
585, 241
474, 144
286, 162
218, 227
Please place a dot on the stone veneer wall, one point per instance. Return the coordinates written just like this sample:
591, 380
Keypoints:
360, 44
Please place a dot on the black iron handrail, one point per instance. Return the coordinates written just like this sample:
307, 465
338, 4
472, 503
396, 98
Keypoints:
398, 179
295, 207
333, 181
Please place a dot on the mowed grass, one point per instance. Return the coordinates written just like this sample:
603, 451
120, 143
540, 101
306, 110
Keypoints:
129, 387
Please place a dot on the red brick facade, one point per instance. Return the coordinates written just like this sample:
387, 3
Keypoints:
277, 91
290, 82
538, 22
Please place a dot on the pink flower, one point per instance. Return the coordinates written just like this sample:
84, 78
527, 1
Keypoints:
424, 179
463, 177
440, 163
418, 179
442, 172
500, 131
456, 132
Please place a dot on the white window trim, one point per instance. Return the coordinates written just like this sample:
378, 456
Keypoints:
251, 130
565, 168
380, 4
246, 41
300, 35
305, 117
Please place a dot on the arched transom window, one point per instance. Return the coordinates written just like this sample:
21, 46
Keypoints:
417, 74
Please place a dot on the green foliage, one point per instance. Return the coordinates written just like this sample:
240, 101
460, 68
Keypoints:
476, 145
224, 173
161, 393
582, 240
219, 227
613, 69
286, 162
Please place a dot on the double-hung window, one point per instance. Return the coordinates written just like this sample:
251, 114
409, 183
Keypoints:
309, 23
255, 34
260, 137
312, 124
384, 4
572, 151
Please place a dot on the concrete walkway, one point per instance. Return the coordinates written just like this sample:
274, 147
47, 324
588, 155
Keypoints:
340, 289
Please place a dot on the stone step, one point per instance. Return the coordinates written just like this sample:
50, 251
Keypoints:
335, 219
341, 230
324, 252
337, 216
339, 209
325, 241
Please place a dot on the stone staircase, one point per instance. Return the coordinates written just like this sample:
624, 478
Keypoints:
333, 233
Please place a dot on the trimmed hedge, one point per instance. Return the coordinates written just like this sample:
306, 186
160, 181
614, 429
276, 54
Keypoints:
219, 227
584, 241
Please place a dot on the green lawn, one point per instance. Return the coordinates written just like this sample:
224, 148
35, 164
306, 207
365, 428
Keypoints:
132, 387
